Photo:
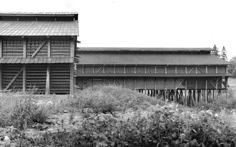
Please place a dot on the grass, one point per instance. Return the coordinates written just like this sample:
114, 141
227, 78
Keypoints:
109, 99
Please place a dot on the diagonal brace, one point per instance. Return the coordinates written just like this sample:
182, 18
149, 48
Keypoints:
14, 78
38, 49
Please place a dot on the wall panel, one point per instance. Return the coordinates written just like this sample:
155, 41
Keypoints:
60, 79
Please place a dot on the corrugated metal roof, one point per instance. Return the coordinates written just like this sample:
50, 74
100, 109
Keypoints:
39, 28
37, 13
151, 59
38, 60
101, 49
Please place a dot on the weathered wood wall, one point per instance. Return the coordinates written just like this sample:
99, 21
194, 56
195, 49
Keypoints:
201, 83
151, 69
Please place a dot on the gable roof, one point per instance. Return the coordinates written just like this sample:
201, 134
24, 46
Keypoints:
148, 56
30, 24
140, 49
39, 28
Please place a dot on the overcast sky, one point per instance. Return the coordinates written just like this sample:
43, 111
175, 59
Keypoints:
145, 23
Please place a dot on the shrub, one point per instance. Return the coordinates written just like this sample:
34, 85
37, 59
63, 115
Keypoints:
112, 98
26, 112
163, 126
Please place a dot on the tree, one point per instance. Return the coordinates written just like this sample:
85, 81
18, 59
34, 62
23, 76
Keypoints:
232, 67
223, 54
215, 51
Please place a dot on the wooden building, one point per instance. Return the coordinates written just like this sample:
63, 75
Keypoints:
37, 51
171, 73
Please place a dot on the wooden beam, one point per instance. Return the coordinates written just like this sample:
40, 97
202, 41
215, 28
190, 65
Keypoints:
71, 79
47, 90
72, 49
206, 69
13, 79
186, 70
0, 48
38, 49
49, 48
24, 48
0, 77
24, 79
216, 69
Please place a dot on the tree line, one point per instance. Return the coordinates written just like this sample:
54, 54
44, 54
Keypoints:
223, 55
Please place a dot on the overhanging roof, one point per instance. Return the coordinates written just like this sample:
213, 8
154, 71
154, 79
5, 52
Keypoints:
140, 49
39, 28
150, 59
38, 13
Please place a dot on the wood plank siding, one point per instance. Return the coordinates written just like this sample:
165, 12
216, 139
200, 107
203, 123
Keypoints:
149, 70
153, 83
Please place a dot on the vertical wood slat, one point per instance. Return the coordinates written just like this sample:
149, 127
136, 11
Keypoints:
24, 79
0, 77
24, 48
49, 48
71, 79
0, 48
72, 48
48, 80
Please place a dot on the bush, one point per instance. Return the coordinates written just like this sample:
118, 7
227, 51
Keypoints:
21, 111
107, 99
26, 112
157, 126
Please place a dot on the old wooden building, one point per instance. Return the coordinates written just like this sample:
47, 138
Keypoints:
37, 51
168, 72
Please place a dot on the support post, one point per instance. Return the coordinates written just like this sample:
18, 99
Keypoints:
0, 77
206, 93
48, 80
24, 48
0, 48
24, 79
49, 48
71, 79
72, 48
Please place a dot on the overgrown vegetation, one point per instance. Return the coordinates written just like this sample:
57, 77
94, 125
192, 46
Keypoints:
118, 117
21, 111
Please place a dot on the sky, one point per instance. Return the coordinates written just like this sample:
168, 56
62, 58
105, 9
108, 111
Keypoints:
145, 23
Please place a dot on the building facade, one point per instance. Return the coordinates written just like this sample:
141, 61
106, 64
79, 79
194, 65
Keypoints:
168, 72
37, 51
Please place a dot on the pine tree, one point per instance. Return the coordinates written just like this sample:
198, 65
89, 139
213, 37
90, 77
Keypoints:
215, 51
223, 54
